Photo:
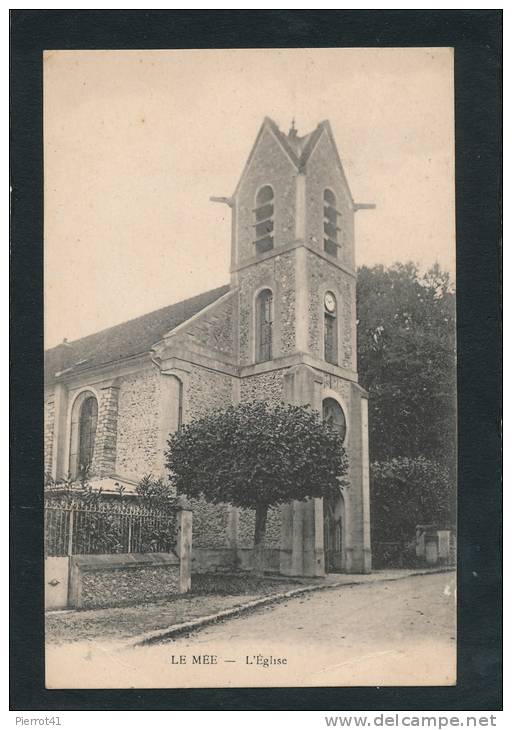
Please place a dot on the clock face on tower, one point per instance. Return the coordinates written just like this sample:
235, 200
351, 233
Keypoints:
330, 302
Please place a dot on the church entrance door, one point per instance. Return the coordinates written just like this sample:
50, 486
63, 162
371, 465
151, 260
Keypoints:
333, 535
333, 414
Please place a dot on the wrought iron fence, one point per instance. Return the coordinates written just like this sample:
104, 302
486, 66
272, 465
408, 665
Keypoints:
79, 529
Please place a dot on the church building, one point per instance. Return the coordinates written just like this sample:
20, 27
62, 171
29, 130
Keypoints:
283, 329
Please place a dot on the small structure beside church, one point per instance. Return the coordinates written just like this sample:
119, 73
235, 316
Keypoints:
283, 329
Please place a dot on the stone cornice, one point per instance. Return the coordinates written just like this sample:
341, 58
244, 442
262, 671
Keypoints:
181, 359
105, 373
281, 250
109, 375
297, 358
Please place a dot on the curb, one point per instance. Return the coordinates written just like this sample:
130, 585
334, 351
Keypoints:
175, 630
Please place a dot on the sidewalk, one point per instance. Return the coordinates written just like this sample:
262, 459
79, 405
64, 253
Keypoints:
165, 619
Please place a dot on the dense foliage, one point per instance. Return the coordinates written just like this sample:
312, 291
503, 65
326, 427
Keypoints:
102, 525
406, 360
157, 494
408, 492
256, 455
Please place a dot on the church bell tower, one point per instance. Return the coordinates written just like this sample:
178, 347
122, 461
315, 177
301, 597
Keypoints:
293, 266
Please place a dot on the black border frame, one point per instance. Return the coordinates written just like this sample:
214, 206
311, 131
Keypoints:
476, 36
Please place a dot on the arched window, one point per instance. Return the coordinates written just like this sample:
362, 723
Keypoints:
330, 224
264, 320
84, 419
88, 422
330, 328
333, 414
264, 220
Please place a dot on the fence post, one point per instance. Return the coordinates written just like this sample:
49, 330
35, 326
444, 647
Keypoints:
184, 545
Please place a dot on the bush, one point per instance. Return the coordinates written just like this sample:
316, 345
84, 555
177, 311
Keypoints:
106, 523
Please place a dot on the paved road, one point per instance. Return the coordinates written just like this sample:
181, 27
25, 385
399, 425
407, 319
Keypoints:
400, 632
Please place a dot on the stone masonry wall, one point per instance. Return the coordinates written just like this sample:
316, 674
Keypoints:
138, 420
270, 165
323, 172
206, 390
267, 386
285, 275
104, 461
323, 276
102, 588
213, 331
278, 274
209, 524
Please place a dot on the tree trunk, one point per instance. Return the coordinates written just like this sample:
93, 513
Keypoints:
260, 525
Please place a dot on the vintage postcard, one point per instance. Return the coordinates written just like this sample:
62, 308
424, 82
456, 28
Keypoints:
250, 368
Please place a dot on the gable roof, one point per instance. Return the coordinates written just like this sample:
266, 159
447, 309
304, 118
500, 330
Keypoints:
134, 337
298, 149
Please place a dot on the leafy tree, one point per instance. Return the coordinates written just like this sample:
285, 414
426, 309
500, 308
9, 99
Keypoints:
257, 455
406, 359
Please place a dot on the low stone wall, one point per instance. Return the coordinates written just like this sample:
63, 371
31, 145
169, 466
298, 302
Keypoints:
98, 581
212, 560
227, 560
245, 559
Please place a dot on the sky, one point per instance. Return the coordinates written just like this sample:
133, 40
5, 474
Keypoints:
136, 142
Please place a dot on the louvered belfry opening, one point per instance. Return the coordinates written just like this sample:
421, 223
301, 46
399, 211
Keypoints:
264, 220
330, 224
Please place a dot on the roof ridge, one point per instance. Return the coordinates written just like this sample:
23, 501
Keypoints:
71, 343
283, 139
299, 158
313, 137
